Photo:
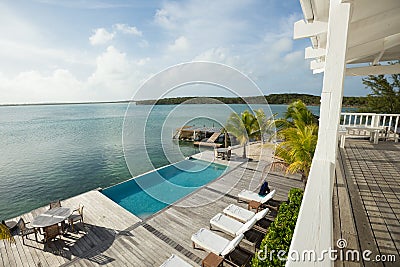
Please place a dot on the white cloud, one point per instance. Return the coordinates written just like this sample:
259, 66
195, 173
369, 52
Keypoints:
100, 36
114, 77
180, 44
294, 56
103, 36
38, 64
204, 24
164, 19
33, 86
110, 66
219, 54
283, 44
128, 29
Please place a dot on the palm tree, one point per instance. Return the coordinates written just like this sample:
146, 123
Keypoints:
298, 148
298, 111
5, 233
266, 125
299, 131
243, 127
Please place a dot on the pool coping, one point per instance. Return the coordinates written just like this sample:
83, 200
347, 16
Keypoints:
162, 167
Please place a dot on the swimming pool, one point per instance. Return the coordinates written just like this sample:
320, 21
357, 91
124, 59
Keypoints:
155, 190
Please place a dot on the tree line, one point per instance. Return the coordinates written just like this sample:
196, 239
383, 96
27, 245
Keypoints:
284, 99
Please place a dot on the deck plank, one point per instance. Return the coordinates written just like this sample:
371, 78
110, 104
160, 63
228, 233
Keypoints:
371, 178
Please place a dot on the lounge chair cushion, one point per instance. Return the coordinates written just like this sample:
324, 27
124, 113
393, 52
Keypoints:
175, 261
250, 195
233, 227
261, 214
210, 241
232, 245
226, 224
214, 243
239, 213
247, 226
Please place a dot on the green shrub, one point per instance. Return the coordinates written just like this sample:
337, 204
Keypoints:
280, 232
295, 196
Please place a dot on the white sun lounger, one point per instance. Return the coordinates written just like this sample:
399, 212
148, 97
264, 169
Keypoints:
248, 196
175, 261
239, 213
233, 227
214, 243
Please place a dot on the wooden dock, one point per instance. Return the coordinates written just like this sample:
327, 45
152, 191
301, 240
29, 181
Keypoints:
192, 133
367, 200
114, 237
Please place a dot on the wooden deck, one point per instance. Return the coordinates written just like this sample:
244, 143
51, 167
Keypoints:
367, 200
114, 237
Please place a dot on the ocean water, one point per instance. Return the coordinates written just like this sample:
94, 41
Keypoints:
56, 152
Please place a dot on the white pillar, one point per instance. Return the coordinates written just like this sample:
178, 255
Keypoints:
314, 227
332, 91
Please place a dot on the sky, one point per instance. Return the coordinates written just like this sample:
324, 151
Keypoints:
82, 50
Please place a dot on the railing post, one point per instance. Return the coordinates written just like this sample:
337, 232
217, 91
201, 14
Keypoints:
375, 120
396, 139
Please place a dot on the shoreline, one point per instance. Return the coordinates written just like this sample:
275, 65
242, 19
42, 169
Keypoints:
271, 99
141, 104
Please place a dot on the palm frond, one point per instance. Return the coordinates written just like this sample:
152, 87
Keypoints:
300, 137
243, 127
5, 233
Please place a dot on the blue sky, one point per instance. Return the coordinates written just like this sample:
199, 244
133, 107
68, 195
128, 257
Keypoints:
62, 50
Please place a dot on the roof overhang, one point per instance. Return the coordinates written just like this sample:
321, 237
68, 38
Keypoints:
373, 35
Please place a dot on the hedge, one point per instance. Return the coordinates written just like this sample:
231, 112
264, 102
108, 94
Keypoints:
280, 232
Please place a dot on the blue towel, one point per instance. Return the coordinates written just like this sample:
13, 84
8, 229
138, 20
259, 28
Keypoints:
264, 190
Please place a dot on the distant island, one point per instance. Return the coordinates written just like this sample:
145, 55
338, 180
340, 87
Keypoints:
284, 99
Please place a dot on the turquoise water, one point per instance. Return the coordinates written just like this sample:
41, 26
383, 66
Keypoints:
153, 191
56, 152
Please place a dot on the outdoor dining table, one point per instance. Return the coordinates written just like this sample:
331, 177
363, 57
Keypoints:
51, 217
374, 131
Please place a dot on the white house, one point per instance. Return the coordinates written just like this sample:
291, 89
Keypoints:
342, 33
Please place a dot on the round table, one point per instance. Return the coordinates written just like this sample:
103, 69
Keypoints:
51, 217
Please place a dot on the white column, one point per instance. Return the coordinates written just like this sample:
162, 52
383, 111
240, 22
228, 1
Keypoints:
315, 222
332, 91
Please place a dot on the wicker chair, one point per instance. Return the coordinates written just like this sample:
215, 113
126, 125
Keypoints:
25, 231
51, 232
55, 204
77, 215
229, 153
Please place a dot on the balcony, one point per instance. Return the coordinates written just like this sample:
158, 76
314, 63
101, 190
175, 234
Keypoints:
366, 198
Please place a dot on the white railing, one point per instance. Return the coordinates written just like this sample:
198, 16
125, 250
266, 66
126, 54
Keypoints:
313, 232
390, 123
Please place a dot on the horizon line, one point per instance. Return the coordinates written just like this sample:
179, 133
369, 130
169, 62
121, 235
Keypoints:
133, 101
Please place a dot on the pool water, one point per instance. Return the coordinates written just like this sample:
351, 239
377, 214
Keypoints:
153, 191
